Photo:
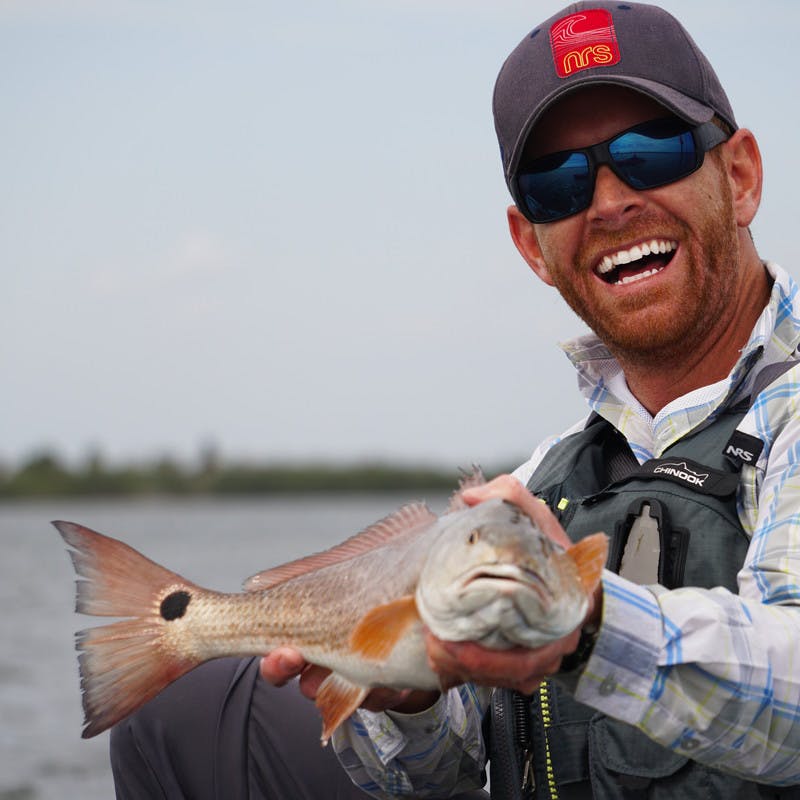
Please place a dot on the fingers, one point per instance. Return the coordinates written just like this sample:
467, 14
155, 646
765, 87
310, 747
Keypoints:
284, 663
508, 488
281, 665
311, 679
519, 668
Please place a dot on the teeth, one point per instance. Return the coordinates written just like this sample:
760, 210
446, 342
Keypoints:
635, 253
637, 277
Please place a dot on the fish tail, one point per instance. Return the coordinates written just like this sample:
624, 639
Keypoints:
126, 663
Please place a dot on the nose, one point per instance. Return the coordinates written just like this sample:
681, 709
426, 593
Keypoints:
613, 199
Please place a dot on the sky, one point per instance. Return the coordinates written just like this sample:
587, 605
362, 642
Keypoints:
278, 228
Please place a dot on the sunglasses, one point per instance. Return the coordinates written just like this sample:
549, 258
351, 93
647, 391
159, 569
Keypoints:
648, 155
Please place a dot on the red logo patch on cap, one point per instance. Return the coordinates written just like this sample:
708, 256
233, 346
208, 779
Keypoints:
584, 40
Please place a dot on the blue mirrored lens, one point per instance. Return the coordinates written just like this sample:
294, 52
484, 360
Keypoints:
558, 187
655, 156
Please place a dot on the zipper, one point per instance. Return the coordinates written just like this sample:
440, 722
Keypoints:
547, 721
523, 732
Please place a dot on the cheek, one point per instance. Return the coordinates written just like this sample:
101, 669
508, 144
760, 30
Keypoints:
556, 245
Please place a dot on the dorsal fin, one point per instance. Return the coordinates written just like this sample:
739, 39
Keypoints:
408, 520
589, 555
467, 481
381, 628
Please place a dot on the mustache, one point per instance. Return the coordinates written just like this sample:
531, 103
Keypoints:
642, 230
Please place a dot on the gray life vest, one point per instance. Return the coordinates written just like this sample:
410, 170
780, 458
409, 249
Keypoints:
682, 509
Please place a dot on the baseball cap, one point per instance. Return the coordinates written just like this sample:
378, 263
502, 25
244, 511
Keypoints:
635, 45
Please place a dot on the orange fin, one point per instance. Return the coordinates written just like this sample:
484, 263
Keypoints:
120, 581
337, 699
380, 629
589, 555
124, 664
408, 520
122, 667
468, 481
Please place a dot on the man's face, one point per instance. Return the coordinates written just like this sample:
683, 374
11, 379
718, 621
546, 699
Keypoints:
653, 306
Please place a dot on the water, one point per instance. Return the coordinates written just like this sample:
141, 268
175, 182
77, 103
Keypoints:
215, 543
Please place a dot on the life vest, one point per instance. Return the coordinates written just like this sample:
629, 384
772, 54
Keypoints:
682, 506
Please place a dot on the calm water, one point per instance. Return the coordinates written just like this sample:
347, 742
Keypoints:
215, 543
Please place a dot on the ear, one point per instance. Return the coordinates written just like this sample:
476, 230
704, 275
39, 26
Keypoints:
523, 232
743, 160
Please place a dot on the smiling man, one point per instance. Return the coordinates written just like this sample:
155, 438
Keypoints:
633, 189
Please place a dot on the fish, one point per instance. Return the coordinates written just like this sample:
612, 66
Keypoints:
484, 573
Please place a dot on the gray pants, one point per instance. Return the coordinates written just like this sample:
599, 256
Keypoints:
222, 733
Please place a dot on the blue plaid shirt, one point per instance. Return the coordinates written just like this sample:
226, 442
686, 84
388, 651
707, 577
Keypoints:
713, 675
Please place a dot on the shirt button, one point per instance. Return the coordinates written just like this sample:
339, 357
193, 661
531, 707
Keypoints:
608, 686
689, 742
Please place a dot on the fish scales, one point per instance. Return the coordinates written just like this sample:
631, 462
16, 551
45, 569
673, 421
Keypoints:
300, 613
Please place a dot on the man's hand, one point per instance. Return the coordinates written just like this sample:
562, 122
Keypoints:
506, 487
520, 668
284, 663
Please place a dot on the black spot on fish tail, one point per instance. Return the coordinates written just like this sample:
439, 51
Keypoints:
174, 605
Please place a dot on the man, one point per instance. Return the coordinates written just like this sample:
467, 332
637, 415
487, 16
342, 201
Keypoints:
634, 189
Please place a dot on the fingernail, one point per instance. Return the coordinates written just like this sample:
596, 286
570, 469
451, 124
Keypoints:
290, 662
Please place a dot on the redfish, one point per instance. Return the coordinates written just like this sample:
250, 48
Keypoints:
484, 573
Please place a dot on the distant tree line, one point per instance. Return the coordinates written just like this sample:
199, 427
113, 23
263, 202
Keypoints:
47, 475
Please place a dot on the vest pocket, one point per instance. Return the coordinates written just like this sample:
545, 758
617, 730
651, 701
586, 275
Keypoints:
624, 763
616, 757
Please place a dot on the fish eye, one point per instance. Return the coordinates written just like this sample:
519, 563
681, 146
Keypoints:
473, 536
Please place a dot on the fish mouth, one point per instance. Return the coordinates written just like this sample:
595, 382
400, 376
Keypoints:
514, 575
635, 263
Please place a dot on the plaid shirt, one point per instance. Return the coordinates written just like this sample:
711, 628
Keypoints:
713, 675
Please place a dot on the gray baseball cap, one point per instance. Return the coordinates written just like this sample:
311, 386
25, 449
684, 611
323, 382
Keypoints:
628, 44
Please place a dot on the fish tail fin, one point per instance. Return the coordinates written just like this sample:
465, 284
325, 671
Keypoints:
589, 555
126, 663
122, 667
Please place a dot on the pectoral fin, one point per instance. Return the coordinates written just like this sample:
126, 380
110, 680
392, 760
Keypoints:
590, 556
380, 629
337, 699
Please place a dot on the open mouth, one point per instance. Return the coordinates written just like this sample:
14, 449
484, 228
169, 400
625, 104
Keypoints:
639, 262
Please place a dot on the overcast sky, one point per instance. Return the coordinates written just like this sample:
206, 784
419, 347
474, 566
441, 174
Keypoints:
279, 227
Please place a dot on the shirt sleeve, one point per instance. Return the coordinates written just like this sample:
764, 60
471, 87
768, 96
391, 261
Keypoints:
711, 674
430, 754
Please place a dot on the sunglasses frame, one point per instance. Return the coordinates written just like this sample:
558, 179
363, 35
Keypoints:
705, 136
